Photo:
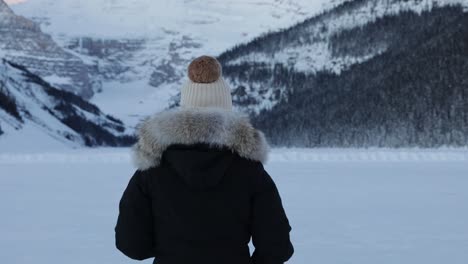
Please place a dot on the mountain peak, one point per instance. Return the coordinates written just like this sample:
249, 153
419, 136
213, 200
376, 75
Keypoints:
4, 9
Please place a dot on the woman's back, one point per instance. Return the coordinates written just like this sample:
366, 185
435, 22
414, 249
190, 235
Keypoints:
201, 193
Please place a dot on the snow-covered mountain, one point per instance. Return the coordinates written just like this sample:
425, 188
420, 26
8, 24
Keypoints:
349, 76
409, 87
23, 42
311, 46
35, 114
138, 49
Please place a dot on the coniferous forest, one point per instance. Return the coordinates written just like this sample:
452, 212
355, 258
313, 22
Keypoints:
415, 93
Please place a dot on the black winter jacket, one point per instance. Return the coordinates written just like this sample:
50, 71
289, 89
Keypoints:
201, 192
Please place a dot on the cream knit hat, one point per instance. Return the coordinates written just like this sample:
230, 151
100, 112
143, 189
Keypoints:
206, 87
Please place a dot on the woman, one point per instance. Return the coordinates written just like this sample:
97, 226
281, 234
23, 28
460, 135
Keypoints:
201, 192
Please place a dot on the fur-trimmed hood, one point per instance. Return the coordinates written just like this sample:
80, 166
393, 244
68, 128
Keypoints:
187, 126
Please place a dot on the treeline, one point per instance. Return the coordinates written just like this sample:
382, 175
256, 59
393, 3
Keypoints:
414, 93
8, 104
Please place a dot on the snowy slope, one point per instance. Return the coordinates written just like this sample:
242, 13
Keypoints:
313, 53
35, 115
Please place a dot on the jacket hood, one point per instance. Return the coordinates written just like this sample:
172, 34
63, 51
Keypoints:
200, 166
214, 127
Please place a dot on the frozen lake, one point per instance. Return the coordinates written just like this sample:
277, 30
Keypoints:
345, 206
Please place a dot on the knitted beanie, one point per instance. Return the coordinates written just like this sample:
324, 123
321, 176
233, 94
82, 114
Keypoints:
206, 87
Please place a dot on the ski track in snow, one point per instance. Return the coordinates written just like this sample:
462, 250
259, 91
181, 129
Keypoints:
391, 206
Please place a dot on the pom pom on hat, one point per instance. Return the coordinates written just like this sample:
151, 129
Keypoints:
204, 69
206, 87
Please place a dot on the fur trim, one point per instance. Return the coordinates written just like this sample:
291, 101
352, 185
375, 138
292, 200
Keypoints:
216, 127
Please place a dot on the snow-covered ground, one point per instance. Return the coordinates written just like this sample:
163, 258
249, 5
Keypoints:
345, 206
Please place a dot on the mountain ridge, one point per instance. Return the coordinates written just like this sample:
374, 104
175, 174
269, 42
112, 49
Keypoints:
23, 42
